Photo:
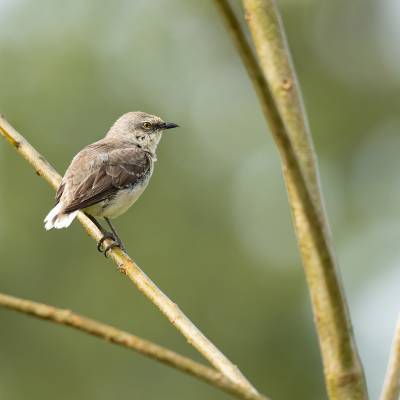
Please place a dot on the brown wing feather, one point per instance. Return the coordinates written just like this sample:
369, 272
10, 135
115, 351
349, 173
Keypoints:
115, 174
60, 191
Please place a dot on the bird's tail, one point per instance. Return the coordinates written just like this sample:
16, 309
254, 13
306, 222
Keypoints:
57, 219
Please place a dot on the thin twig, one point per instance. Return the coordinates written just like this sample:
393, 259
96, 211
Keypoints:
128, 267
276, 86
391, 386
125, 339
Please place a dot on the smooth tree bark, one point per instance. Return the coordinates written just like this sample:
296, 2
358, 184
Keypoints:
391, 385
275, 82
114, 335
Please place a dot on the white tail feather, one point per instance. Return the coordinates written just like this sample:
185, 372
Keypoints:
55, 219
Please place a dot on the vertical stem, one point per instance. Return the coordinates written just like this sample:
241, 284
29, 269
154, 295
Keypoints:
276, 85
391, 386
276, 63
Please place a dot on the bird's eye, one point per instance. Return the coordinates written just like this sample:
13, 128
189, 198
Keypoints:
146, 125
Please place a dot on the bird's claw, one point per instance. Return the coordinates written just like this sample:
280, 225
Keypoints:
115, 243
106, 235
111, 246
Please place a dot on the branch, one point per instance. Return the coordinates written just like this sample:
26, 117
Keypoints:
125, 339
391, 386
128, 267
276, 85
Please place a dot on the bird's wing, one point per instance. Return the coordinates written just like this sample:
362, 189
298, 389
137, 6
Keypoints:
122, 168
60, 191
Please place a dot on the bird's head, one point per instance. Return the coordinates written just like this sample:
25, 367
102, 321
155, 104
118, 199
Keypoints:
145, 130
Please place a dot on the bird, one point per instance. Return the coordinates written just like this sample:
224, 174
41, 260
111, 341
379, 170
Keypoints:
106, 177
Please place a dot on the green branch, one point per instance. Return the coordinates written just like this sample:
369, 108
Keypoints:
391, 386
127, 340
276, 85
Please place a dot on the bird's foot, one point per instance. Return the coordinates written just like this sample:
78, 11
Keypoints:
111, 246
116, 243
106, 235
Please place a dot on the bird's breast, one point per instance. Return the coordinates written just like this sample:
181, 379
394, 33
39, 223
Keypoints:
122, 200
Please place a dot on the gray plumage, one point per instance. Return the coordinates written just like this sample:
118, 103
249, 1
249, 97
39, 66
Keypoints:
107, 177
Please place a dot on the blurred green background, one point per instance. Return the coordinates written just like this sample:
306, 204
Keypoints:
213, 228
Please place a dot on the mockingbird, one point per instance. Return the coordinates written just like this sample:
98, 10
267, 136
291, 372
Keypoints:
107, 177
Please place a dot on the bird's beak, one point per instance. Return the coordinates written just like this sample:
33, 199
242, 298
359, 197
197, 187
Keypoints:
170, 125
